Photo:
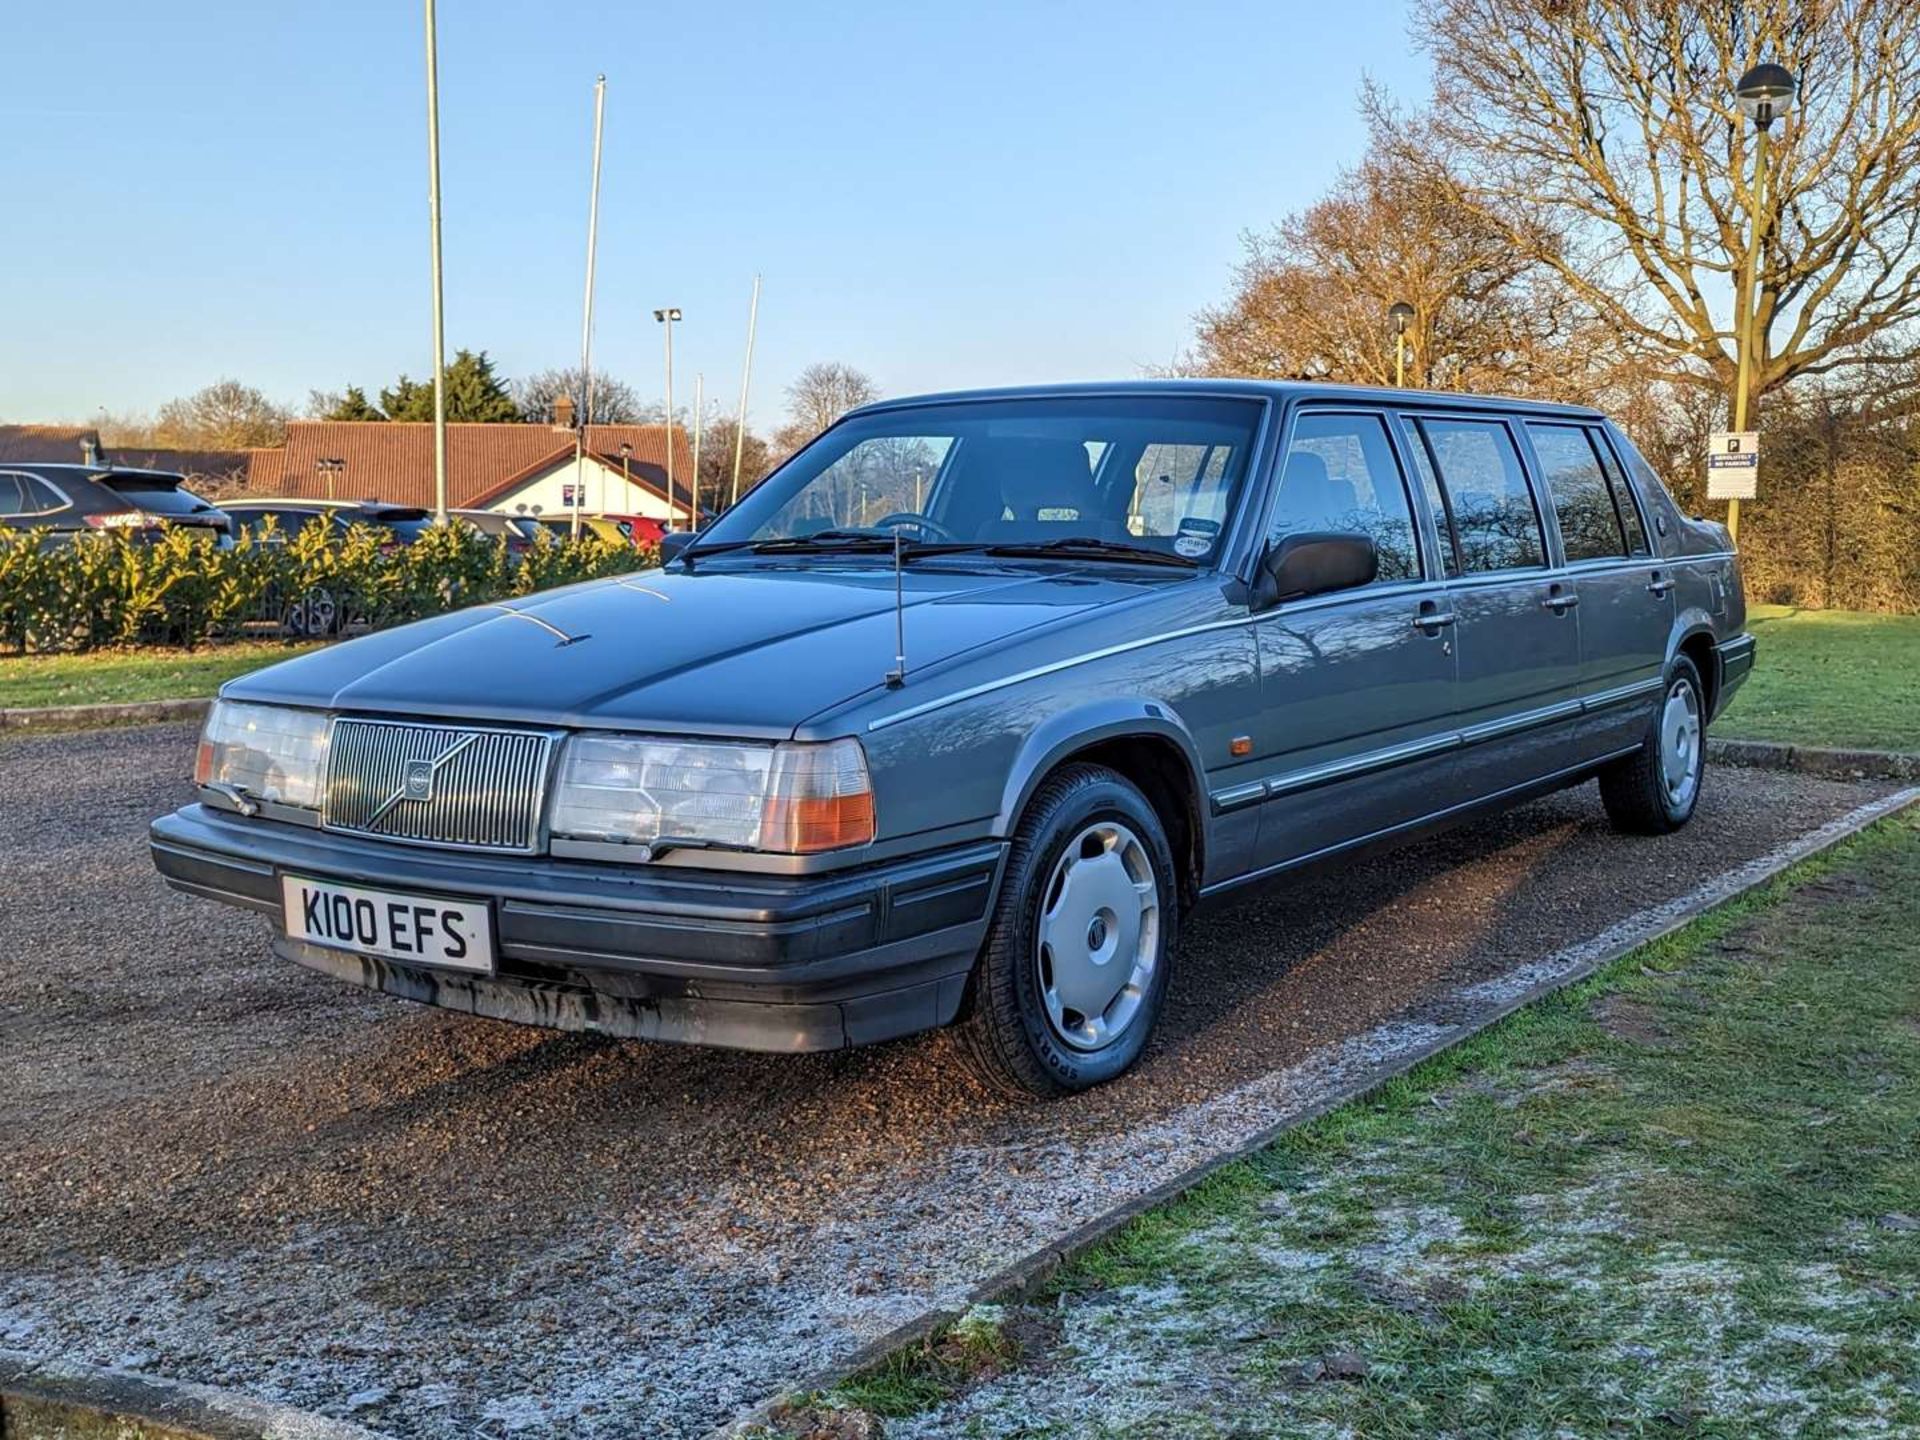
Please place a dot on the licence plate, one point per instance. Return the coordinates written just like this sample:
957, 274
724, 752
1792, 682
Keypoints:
419, 929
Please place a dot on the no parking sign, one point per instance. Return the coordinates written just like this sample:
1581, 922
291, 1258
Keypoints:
1733, 465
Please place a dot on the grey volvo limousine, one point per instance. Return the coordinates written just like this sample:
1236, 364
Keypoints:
958, 713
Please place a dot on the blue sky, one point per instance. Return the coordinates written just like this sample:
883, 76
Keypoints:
941, 194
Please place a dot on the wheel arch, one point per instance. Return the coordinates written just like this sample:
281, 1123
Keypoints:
1696, 640
1140, 739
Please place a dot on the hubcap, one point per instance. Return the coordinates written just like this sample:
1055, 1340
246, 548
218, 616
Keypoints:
1099, 936
1680, 744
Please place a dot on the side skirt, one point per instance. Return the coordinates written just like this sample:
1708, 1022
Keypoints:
1411, 830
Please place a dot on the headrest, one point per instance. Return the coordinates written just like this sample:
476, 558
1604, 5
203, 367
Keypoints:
1038, 474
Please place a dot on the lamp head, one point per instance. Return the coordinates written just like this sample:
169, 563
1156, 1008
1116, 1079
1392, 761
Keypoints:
1765, 93
1400, 316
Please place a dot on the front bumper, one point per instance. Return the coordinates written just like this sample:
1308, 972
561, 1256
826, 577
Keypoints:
710, 957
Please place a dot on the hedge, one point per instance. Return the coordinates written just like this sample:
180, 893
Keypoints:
180, 590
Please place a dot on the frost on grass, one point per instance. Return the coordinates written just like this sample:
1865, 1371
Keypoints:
1256, 1294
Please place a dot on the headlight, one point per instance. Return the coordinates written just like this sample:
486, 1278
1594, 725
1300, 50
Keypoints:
268, 752
792, 798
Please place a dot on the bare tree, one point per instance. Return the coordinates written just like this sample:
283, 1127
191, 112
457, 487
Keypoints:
614, 401
818, 396
225, 415
1614, 122
1311, 299
716, 461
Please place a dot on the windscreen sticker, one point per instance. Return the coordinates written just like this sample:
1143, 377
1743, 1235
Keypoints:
1196, 536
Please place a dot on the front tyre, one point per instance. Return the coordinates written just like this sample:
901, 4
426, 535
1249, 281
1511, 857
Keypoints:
1071, 980
1654, 790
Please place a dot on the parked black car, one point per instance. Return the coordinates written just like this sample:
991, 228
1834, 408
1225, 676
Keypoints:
66, 500
290, 516
319, 612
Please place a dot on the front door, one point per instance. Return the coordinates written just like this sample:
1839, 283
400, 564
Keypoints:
1517, 620
1356, 694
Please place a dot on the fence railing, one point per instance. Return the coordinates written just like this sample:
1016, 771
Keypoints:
181, 590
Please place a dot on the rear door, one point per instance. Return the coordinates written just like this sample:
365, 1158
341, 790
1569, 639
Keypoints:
1515, 621
1626, 594
1356, 693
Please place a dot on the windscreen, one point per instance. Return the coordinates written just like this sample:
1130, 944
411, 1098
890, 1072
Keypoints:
1159, 473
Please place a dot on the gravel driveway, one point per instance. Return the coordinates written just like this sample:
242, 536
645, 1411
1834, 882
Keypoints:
222, 1168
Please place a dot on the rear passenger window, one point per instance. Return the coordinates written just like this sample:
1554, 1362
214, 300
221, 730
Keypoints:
1341, 476
1582, 499
13, 498
1495, 524
1623, 497
42, 496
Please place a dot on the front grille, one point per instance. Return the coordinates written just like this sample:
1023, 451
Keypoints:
437, 784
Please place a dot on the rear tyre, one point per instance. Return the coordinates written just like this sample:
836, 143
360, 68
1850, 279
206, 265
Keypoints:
1654, 790
1071, 980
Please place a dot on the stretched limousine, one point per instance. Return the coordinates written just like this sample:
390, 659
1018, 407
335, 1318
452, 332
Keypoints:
955, 716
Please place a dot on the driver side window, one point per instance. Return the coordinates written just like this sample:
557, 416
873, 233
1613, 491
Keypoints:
888, 475
1341, 476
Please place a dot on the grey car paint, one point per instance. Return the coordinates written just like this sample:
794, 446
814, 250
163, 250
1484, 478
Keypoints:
1294, 732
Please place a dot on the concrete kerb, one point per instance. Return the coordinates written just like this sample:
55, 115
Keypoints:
62, 1400
1502, 998
92, 717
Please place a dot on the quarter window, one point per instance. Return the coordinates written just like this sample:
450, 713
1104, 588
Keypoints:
1582, 499
13, 497
1341, 476
1494, 522
1623, 499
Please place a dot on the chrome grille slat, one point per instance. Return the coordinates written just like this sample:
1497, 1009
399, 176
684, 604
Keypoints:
488, 787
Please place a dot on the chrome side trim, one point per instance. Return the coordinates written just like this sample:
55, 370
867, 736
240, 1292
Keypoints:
1383, 759
1523, 720
1620, 695
1238, 797
1352, 766
1054, 667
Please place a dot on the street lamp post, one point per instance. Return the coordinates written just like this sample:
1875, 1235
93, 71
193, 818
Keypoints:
666, 317
1400, 314
330, 466
1764, 94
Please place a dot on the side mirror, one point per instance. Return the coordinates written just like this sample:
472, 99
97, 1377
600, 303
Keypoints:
1313, 564
674, 541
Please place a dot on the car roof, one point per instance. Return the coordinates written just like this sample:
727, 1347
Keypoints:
54, 470
378, 508
1245, 388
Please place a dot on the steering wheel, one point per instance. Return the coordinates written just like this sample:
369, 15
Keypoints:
927, 527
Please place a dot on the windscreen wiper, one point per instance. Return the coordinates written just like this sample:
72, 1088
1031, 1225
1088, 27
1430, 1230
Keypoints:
1073, 547
857, 541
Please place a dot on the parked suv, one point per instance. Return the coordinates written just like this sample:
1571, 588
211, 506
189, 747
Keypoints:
956, 716
60, 501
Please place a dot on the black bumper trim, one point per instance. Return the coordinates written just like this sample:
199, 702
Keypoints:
665, 953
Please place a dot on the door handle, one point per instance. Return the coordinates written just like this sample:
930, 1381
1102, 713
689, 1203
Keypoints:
1432, 619
1658, 585
1560, 602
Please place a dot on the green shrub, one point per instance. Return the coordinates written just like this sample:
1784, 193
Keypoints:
106, 589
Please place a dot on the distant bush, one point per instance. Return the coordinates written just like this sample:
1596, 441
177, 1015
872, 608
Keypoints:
105, 589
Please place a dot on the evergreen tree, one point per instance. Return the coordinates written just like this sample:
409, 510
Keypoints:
354, 405
475, 393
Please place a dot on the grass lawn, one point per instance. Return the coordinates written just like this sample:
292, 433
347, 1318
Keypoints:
111, 676
1830, 677
1682, 1197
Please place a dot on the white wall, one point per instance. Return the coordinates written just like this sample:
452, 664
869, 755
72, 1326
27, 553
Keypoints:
606, 492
